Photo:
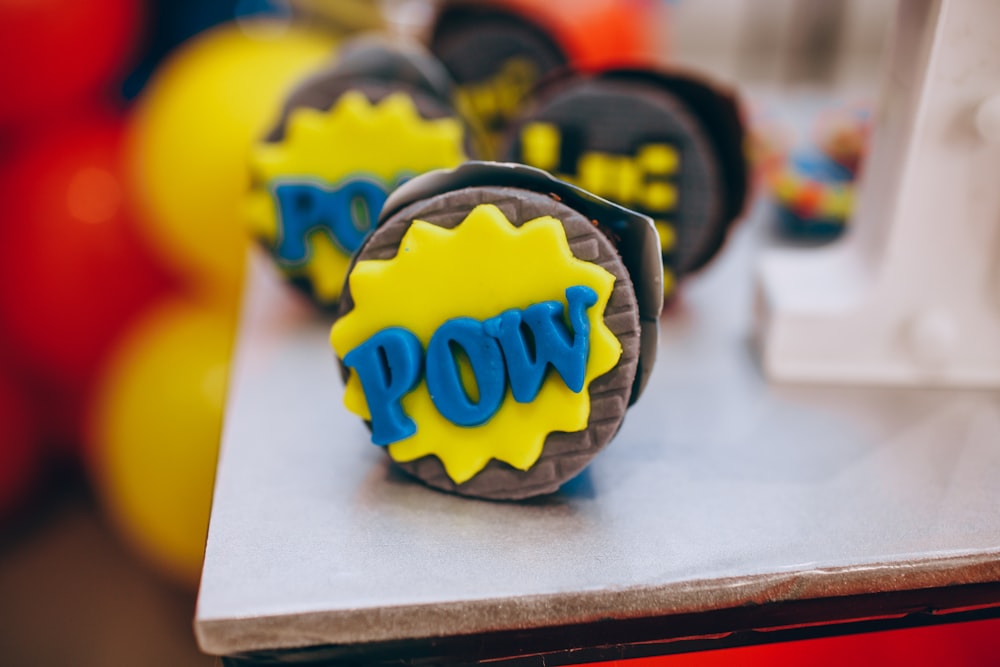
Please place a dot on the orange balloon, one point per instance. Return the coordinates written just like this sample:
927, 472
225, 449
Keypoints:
155, 422
598, 34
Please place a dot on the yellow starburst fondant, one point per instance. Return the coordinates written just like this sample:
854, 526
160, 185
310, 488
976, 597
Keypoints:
479, 269
385, 142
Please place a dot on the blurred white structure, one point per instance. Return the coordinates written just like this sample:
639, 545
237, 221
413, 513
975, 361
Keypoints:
833, 43
912, 295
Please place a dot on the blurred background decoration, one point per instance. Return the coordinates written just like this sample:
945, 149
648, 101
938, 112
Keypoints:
156, 414
124, 131
191, 133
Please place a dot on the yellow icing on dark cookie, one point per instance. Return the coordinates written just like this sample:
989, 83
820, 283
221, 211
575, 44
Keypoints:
461, 286
648, 180
319, 190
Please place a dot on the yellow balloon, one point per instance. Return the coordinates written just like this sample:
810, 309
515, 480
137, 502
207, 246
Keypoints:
155, 424
191, 134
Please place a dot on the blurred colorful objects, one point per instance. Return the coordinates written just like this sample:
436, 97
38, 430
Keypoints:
813, 193
155, 423
768, 142
191, 135
598, 34
156, 415
55, 52
498, 51
843, 134
813, 187
73, 271
121, 248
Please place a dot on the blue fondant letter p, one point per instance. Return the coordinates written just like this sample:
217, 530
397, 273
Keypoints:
389, 367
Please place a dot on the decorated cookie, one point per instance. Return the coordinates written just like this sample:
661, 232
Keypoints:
496, 56
346, 138
498, 50
667, 146
496, 325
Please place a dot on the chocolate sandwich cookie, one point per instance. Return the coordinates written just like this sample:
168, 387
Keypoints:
496, 57
346, 137
495, 326
666, 145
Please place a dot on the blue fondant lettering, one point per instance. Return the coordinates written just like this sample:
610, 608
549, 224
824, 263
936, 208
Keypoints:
347, 213
517, 346
444, 381
388, 365
554, 345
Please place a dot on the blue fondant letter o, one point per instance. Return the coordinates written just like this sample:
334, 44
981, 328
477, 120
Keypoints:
444, 380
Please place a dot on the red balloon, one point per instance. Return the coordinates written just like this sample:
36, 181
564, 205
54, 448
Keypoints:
73, 270
20, 454
54, 51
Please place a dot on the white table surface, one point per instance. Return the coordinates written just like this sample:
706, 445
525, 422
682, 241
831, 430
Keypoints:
720, 490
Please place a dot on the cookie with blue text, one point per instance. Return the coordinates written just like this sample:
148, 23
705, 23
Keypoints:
495, 327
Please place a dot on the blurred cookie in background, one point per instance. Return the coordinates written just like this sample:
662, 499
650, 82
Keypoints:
666, 145
499, 50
